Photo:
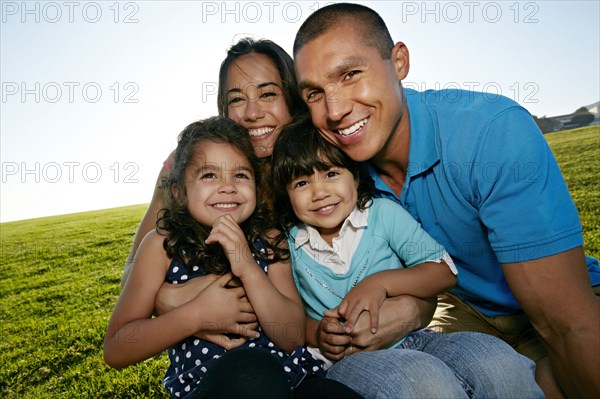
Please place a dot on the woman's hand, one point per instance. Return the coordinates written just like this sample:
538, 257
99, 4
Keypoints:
229, 312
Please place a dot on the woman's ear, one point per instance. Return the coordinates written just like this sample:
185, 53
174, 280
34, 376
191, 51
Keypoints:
175, 191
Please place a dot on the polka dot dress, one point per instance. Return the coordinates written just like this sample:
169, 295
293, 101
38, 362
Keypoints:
191, 358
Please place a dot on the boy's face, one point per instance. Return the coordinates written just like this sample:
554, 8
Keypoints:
353, 94
219, 181
324, 199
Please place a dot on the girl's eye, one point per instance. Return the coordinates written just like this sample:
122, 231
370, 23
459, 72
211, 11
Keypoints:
208, 176
242, 176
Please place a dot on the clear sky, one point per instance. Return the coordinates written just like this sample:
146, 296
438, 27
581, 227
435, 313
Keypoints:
94, 93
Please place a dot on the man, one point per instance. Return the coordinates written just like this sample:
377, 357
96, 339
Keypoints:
481, 180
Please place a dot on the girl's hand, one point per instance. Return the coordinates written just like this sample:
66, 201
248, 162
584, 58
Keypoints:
228, 233
365, 296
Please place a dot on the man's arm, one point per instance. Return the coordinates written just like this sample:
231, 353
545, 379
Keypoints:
398, 316
555, 293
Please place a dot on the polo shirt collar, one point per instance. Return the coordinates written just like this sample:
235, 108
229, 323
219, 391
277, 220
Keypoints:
307, 233
423, 152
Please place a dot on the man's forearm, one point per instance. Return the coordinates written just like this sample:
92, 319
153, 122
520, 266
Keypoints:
398, 316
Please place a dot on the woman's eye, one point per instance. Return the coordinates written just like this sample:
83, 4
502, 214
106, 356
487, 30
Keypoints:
235, 100
268, 94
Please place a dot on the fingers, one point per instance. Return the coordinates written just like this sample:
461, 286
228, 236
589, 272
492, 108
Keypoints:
332, 313
224, 228
244, 331
332, 338
223, 280
331, 325
374, 319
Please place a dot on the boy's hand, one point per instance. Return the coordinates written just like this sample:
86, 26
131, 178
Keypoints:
365, 296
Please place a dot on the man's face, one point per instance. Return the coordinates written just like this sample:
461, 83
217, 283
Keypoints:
353, 95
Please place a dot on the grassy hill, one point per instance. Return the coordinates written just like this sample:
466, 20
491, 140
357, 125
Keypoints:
60, 279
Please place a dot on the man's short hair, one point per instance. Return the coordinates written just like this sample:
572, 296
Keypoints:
373, 28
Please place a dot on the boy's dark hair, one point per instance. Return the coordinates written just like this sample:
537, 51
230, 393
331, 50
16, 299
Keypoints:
298, 151
374, 31
184, 236
283, 62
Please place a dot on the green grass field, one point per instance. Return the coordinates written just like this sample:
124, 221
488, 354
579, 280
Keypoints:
60, 279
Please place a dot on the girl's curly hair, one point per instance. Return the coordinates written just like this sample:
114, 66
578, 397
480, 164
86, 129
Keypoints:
298, 151
184, 236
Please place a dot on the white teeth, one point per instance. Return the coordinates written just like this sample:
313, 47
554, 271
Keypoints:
352, 129
260, 131
225, 206
326, 208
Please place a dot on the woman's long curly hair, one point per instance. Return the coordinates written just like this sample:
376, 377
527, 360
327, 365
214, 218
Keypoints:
298, 151
184, 236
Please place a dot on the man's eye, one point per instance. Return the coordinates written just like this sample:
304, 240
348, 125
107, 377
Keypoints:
313, 96
351, 74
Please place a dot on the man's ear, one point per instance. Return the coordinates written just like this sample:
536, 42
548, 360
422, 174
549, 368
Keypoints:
400, 59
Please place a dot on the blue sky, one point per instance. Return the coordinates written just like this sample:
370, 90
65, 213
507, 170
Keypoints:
95, 93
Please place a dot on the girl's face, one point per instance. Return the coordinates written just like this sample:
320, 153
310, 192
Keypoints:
324, 199
255, 100
219, 181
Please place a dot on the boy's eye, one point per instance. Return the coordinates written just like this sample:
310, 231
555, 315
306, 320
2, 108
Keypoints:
333, 173
299, 184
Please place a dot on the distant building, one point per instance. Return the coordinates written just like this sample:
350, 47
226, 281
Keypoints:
565, 120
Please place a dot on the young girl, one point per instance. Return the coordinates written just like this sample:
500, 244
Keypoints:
213, 225
350, 252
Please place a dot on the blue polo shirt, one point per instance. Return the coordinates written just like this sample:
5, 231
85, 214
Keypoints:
483, 182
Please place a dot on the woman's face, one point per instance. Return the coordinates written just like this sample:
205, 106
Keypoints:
255, 100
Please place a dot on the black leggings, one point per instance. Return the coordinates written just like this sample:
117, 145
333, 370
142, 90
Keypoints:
254, 373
